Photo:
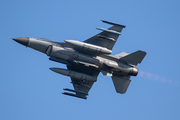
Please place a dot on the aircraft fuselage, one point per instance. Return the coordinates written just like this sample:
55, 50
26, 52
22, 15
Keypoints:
67, 54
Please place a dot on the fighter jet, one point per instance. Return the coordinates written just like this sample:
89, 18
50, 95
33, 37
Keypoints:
85, 60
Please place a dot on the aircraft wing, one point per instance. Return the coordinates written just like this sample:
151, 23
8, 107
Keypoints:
108, 37
81, 87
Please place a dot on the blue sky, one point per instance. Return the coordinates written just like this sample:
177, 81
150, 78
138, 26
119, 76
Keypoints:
30, 91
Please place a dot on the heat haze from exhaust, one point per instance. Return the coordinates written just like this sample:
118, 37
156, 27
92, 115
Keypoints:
156, 77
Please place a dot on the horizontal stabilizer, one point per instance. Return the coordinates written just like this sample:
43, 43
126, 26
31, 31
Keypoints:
121, 83
74, 95
134, 58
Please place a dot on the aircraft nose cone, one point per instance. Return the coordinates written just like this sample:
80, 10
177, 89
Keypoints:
22, 40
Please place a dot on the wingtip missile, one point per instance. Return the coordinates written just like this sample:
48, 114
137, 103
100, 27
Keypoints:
67, 89
74, 95
111, 23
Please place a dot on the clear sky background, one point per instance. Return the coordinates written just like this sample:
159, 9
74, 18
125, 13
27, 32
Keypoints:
30, 91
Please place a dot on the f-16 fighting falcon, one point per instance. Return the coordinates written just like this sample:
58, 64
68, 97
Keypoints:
85, 60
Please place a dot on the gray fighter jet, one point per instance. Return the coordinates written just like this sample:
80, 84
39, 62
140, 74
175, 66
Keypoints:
85, 60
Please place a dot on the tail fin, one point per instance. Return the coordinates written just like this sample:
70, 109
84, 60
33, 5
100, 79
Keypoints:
134, 58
